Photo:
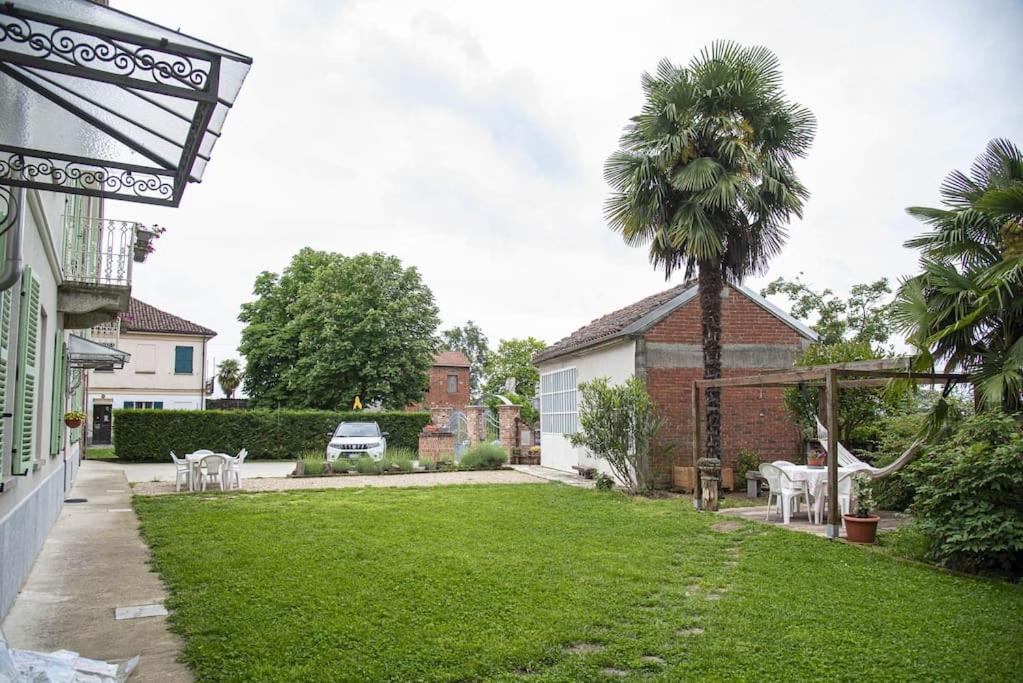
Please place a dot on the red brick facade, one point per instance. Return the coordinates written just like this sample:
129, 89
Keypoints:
448, 372
753, 419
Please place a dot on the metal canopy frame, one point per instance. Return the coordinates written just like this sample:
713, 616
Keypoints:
169, 74
856, 374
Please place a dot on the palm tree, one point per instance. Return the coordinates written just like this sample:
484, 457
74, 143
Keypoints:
965, 310
704, 177
229, 374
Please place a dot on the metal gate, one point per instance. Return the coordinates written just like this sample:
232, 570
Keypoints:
491, 427
458, 424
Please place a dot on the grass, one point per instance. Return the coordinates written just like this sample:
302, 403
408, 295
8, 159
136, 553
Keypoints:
555, 584
101, 453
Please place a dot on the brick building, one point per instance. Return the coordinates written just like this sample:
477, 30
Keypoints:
449, 386
659, 338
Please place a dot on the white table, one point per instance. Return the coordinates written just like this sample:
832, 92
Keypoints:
816, 478
195, 460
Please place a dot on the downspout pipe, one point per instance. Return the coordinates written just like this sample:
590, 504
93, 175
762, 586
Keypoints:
13, 263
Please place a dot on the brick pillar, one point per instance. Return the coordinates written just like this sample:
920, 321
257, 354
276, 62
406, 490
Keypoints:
508, 419
475, 416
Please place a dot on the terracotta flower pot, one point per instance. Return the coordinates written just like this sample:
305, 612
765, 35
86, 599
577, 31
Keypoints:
816, 461
861, 529
72, 423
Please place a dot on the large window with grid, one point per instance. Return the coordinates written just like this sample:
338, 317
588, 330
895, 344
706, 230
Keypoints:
558, 411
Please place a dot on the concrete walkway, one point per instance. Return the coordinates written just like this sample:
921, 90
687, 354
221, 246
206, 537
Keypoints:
93, 562
138, 472
555, 475
799, 522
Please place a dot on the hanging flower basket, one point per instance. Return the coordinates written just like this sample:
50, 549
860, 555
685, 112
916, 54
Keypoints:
74, 419
144, 237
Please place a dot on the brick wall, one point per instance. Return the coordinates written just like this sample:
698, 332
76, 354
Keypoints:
434, 446
752, 418
437, 396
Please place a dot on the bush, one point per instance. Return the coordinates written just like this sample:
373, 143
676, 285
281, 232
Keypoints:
398, 459
969, 496
314, 463
746, 461
342, 466
484, 456
894, 435
149, 435
367, 465
602, 482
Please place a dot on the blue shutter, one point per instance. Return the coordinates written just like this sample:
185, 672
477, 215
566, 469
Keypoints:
183, 360
158, 405
129, 404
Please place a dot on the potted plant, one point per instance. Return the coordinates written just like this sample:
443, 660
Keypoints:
144, 237
74, 418
861, 526
815, 454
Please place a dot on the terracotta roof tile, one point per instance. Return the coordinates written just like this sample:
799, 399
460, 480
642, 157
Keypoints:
611, 324
450, 359
141, 317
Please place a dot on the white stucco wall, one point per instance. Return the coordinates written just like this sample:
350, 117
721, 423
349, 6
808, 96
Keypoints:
136, 378
617, 362
30, 503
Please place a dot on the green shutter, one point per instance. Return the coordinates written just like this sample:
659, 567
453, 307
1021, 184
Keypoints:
26, 389
57, 402
5, 346
158, 405
183, 360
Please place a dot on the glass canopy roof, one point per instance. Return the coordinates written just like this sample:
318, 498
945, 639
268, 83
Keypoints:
85, 353
99, 102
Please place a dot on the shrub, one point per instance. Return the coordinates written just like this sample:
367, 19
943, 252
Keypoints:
746, 460
149, 435
484, 456
367, 465
894, 435
342, 466
602, 482
397, 459
314, 463
969, 496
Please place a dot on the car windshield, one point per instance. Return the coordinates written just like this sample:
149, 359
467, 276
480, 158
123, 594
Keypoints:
357, 429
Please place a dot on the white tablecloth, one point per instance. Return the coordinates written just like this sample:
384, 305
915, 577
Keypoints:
815, 477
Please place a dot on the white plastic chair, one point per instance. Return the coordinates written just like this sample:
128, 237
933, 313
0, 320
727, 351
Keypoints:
782, 463
845, 482
234, 468
182, 468
786, 490
212, 470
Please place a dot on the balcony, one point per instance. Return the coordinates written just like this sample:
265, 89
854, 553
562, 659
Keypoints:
96, 267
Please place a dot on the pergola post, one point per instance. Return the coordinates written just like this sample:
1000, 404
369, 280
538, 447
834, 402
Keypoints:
697, 439
834, 525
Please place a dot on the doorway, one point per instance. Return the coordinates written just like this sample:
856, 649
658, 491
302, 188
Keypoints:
101, 424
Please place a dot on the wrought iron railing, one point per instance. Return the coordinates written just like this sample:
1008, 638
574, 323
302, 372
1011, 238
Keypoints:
98, 251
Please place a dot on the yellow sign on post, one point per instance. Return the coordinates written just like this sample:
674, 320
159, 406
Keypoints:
357, 405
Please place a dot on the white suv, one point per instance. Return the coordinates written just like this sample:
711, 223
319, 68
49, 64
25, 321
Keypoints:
356, 439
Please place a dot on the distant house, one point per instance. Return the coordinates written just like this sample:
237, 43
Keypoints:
166, 369
449, 386
659, 338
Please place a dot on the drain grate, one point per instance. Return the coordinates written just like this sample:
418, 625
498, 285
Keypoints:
76, 500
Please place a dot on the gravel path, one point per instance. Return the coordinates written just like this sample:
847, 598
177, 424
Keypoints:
386, 481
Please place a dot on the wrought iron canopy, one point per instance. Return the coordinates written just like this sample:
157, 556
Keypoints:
95, 101
87, 354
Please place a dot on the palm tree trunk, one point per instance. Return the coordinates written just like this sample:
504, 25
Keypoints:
710, 285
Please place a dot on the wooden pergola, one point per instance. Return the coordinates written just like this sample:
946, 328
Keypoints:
832, 378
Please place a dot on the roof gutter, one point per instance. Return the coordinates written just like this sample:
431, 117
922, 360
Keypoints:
13, 264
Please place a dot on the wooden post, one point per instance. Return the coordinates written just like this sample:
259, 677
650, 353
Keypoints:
696, 445
834, 526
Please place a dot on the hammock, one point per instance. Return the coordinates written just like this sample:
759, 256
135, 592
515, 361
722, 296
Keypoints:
848, 460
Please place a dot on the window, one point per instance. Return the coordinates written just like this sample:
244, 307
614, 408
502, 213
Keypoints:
452, 384
145, 359
144, 405
558, 413
183, 360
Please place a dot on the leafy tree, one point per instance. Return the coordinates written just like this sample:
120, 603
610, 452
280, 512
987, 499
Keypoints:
964, 311
470, 340
704, 177
514, 360
618, 424
865, 316
331, 327
229, 374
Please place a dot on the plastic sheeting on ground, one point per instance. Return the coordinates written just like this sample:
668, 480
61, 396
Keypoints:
62, 666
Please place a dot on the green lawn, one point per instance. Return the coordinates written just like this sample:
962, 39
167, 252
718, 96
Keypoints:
101, 453
497, 582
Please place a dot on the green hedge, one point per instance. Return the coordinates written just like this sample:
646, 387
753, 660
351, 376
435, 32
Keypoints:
149, 435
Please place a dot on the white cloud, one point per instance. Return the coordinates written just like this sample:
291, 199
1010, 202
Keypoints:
468, 139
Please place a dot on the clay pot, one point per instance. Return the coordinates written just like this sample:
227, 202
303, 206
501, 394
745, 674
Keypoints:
72, 423
861, 529
816, 460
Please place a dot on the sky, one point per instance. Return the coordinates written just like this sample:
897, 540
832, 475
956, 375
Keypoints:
468, 139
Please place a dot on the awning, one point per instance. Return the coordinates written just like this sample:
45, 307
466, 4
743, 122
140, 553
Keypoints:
99, 102
89, 355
